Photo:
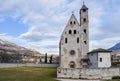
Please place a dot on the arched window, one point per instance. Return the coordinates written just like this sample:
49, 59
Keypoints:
84, 19
85, 42
84, 10
100, 59
74, 22
77, 39
70, 22
74, 31
70, 32
65, 40
85, 31
72, 64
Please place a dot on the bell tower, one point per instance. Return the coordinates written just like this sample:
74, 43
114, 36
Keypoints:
84, 21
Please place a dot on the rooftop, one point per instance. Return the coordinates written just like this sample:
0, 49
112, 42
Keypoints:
99, 50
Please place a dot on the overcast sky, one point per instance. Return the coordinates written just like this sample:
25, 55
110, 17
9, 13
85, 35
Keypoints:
38, 24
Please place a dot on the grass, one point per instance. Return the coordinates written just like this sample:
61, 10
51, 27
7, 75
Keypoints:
28, 74
113, 80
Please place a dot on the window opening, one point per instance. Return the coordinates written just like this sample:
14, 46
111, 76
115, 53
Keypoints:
74, 22
65, 40
72, 52
84, 19
85, 42
70, 31
85, 31
84, 10
74, 31
77, 40
100, 59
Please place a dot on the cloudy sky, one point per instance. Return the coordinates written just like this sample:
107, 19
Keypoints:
38, 24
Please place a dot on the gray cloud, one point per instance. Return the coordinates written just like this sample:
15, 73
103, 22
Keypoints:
46, 21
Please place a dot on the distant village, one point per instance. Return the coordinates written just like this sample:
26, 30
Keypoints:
27, 58
11, 53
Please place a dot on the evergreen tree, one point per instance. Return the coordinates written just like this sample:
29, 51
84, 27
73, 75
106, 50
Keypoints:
51, 57
46, 58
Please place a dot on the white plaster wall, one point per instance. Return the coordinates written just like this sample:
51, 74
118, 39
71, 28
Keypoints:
93, 60
106, 60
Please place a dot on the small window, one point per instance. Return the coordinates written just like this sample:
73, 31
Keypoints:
70, 22
85, 31
74, 31
70, 31
78, 40
74, 22
100, 59
84, 19
85, 42
91, 54
84, 10
65, 40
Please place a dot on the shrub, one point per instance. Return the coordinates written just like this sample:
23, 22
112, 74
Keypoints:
116, 77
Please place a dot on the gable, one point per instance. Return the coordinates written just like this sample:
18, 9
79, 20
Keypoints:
72, 23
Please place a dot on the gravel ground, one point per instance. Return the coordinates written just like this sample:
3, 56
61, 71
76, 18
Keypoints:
75, 80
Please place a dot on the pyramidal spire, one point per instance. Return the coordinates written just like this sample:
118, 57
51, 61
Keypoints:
84, 6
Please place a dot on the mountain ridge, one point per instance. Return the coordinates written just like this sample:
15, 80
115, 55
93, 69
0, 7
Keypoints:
115, 47
12, 48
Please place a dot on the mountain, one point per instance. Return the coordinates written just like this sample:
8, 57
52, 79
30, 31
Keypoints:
11, 48
115, 47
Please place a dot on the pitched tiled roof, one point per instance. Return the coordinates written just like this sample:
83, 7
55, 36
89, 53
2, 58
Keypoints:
99, 50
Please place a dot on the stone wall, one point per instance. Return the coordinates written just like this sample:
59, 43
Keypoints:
101, 73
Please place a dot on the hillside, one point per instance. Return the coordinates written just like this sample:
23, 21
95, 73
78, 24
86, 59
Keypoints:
11, 48
115, 47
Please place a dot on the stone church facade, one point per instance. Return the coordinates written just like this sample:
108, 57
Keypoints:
74, 42
75, 58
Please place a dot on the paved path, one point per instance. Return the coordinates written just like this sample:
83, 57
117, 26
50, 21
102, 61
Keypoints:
75, 80
7, 65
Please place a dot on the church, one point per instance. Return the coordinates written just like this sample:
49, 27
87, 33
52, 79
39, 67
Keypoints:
75, 59
74, 42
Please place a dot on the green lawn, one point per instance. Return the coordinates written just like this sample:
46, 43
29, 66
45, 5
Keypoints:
28, 74
113, 80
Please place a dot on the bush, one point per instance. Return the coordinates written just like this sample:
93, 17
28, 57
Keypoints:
116, 77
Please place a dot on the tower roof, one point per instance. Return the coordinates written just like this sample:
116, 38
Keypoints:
84, 7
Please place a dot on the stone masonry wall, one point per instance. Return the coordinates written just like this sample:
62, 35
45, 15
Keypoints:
105, 73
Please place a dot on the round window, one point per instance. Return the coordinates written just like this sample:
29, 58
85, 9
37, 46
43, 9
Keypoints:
72, 52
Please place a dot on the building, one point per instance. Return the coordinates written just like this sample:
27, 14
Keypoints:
100, 58
75, 60
74, 42
115, 58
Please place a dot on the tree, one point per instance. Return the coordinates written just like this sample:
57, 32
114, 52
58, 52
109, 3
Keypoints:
51, 57
46, 58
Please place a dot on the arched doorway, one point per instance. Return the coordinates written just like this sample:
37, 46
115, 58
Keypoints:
72, 64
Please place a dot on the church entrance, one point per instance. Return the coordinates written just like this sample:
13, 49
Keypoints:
72, 64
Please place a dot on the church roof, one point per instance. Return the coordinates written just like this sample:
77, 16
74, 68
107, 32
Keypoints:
99, 50
84, 7
73, 18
